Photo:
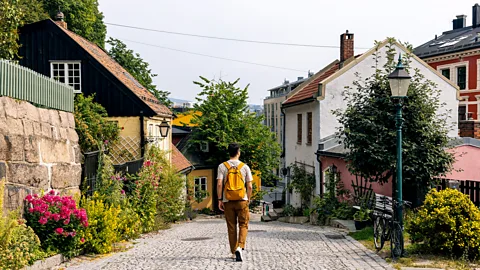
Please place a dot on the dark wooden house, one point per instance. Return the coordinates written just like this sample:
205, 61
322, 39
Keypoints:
49, 48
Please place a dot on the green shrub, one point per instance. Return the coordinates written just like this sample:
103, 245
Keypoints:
103, 229
447, 223
19, 245
93, 129
257, 196
288, 210
129, 226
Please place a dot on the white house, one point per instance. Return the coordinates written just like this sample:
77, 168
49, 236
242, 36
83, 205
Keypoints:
308, 112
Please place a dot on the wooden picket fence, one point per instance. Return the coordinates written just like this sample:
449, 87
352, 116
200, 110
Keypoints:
469, 188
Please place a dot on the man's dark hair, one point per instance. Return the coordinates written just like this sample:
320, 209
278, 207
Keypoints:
233, 149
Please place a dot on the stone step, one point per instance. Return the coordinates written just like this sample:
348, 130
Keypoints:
266, 219
343, 224
273, 215
279, 211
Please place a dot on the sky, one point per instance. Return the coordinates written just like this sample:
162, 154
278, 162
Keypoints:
301, 21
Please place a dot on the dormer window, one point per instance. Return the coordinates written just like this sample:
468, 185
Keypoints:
67, 72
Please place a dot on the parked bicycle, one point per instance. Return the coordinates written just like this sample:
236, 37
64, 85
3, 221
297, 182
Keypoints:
385, 227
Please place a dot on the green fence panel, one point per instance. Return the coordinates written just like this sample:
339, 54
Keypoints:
22, 83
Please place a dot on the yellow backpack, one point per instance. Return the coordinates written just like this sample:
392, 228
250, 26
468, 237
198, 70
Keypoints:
234, 187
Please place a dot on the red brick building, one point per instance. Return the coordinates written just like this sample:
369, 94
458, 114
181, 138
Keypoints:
456, 54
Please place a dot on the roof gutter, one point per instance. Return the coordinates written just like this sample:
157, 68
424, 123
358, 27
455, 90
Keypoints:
300, 102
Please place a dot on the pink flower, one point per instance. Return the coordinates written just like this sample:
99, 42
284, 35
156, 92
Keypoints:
52, 192
59, 230
30, 210
47, 214
123, 191
66, 221
43, 220
29, 198
56, 217
82, 240
72, 234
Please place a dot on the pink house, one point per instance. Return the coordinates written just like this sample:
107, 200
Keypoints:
466, 167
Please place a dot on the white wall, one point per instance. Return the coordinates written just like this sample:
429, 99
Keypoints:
302, 153
334, 89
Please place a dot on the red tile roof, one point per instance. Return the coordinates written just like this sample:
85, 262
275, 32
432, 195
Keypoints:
118, 71
179, 160
309, 88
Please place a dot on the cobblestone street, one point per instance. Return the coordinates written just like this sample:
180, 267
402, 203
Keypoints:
271, 245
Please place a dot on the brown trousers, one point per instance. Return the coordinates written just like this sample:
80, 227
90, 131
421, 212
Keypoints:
237, 211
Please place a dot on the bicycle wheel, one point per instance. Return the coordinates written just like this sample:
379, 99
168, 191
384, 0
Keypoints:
396, 242
378, 232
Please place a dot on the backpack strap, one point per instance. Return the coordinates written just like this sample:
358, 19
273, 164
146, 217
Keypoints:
227, 165
240, 166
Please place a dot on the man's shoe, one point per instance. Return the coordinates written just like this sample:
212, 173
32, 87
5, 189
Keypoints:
233, 256
238, 255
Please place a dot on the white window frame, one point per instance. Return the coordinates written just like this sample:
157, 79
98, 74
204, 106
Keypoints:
150, 130
67, 77
453, 72
203, 186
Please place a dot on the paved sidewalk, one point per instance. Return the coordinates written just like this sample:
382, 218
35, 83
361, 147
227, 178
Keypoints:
271, 245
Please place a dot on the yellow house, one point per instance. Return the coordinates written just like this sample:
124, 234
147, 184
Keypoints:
203, 175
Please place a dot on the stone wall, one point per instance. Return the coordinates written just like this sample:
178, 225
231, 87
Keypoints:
38, 151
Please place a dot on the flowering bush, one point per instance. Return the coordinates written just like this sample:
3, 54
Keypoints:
19, 246
447, 223
102, 231
56, 220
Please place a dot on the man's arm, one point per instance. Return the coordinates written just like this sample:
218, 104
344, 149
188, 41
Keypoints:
219, 194
249, 190
249, 183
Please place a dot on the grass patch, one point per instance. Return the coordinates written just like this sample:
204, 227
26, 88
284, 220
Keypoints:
415, 255
365, 234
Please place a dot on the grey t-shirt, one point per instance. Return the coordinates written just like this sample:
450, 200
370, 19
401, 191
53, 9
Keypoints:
245, 171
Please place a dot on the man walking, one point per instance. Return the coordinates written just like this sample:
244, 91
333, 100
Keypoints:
234, 189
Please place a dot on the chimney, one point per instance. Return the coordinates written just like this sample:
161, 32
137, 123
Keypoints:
59, 20
460, 22
346, 46
476, 16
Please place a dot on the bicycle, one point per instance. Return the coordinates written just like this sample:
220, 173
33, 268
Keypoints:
385, 227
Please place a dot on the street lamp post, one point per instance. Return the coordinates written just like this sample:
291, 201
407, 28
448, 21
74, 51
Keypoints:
399, 83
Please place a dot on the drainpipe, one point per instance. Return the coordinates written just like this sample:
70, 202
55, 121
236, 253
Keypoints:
285, 176
142, 134
320, 173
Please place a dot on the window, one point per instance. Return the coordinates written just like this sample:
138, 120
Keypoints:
446, 73
299, 128
201, 184
150, 130
67, 72
309, 127
462, 77
462, 113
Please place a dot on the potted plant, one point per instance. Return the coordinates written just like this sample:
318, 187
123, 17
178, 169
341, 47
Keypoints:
361, 218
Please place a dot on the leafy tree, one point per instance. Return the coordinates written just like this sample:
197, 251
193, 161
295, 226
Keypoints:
82, 16
10, 20
368, 129
32, 11
137, 67
225, 118
93, 129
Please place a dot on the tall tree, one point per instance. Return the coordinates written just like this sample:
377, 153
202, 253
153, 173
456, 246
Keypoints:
10, 20
32, 11
137, 67
225, 118
368, 130
82, 16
